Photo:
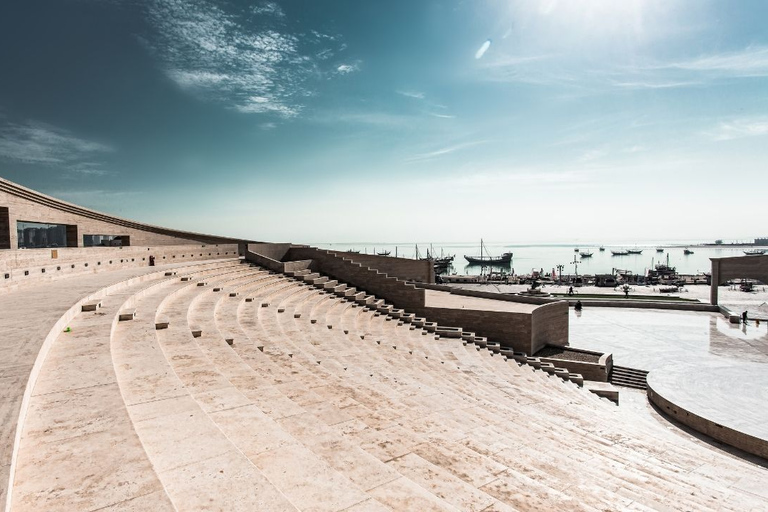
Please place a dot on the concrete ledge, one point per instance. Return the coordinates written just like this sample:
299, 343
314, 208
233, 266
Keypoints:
162, 322
723, 433
127, 314
449, 332
534, 361
92, 305
611, 395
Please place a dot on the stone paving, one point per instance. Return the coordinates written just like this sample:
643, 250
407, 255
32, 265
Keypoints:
699, 361
266, 394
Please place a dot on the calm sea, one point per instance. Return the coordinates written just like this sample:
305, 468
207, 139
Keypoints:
548, 256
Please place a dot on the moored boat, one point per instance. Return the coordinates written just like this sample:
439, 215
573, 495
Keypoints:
659, 249
585, 254
687, 251
754, 252
602, 249
634, 251
487, 259
620, 253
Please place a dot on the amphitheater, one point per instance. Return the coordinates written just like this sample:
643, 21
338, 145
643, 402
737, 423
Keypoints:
241, 375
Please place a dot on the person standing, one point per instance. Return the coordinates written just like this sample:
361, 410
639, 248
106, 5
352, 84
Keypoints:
744, 317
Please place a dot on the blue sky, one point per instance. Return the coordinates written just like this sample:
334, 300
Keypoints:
395, 121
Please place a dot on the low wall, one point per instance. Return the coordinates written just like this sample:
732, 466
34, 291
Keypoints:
264, 261
642, 304
273, 251
508, 328
293, 266
727, 435
396, 291
25, 267
549, 325
420, 271
598, 371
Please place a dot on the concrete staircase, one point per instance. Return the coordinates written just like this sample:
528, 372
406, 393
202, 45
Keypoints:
628, 377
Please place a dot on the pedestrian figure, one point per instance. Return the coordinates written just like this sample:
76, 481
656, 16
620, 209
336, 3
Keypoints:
578, 306
626, 291
151, 261
570, 290
744, 317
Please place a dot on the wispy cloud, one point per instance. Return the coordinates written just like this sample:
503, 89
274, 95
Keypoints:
244, 60
593, 154
442, 116
372, 118
444, 151
345, 69
740, 128
412, 94
43, 144
534, 178
269, 9
654, 85
751, 61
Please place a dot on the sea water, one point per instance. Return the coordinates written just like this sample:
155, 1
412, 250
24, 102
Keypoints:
529, 257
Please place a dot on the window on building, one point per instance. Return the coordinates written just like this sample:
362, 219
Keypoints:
106, 240
35, 235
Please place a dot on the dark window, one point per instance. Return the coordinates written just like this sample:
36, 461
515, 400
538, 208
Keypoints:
35, 235
106, 240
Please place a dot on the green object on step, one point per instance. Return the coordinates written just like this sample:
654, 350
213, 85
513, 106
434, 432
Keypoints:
67, 329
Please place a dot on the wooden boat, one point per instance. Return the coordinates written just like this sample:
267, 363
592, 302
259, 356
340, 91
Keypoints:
620, 253
486, 259
634, 251
602, 249
384, 253
585, 254
687, 251
575, 249
754, 252
659, 249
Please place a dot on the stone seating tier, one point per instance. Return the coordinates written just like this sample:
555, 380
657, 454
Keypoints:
265, 410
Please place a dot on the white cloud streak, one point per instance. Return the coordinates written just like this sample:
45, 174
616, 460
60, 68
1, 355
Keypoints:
345, 69
751, 61
739, 129
412, 94
42, 144
444, 151
219, 56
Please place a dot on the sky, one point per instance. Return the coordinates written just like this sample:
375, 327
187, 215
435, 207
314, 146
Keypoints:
397, 121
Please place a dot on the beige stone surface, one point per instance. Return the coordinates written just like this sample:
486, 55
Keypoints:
440, 299
295, 416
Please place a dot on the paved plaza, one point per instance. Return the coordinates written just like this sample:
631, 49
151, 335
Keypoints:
698, 361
